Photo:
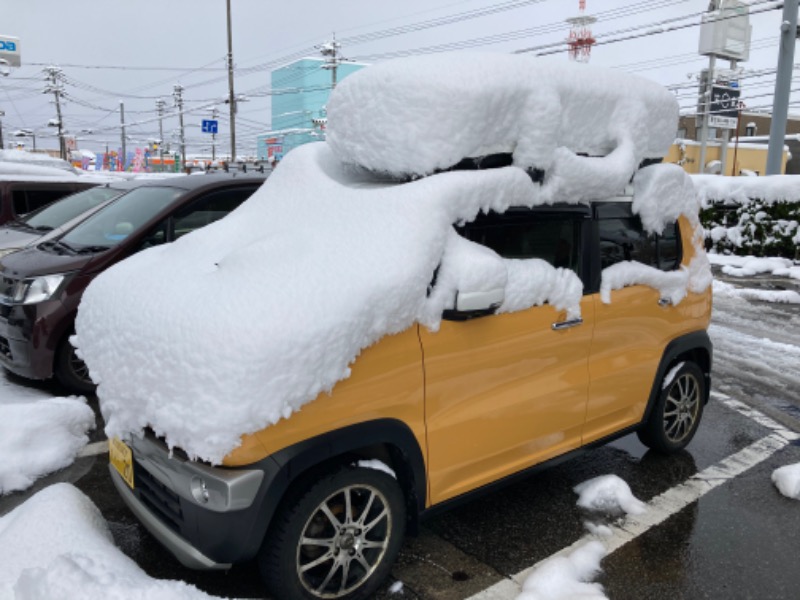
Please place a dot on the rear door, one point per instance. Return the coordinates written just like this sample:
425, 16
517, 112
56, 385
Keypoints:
504, 392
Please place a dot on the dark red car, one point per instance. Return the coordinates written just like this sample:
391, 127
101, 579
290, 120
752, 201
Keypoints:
41, 287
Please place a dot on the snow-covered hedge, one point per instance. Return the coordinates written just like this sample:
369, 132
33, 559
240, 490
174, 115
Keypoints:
757, 216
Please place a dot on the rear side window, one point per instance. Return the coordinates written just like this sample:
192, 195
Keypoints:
26, 201
554, 238
623, 239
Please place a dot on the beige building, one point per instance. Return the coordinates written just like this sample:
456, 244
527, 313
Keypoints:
746, 154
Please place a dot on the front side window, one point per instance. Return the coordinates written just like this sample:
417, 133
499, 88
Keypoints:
210, 208
624, 239
114, 223
523, 234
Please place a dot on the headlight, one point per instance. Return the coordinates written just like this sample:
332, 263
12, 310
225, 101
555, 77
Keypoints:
36, 289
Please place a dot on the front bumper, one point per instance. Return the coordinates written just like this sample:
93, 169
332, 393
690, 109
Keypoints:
25, 346
208, 517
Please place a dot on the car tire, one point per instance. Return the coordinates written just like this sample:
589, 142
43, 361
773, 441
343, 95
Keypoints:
677, 413
70, 371
356, 517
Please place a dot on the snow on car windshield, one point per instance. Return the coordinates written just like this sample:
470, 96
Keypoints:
241, 323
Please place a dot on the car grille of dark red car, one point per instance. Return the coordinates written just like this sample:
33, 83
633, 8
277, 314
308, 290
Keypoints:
7, 288
162, 501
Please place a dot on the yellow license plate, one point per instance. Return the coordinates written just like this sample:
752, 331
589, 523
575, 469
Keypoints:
122, 459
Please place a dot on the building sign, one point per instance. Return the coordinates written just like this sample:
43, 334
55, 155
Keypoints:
9, 50
724, 107
725, 33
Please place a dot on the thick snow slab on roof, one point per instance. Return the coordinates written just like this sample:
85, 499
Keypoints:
445, 108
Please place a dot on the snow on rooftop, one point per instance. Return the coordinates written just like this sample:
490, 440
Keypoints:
455, 105
325, 259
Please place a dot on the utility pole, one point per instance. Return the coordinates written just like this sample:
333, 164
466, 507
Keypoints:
177, 92
2, 114
160, 106
330, 50
52, 76
706, 100
783, 81
214, 115
122, 123
231, 97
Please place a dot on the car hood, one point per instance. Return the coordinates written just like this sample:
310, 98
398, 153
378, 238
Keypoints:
16, 238
33, 262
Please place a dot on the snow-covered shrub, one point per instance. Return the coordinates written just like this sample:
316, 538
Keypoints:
757, 216
756, 228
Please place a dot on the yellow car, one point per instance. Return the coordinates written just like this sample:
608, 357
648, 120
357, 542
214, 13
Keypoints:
323, 498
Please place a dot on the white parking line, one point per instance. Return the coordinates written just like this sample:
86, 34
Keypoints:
673, 500
93, 449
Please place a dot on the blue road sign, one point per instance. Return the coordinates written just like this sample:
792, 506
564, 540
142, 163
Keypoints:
210, 126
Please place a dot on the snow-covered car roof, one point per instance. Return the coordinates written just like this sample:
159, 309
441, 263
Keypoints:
451, 106
325, 259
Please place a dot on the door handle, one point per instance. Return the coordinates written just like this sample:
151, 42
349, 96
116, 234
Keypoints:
567, 324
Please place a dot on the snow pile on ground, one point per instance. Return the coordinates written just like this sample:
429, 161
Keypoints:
567, 577
38, 435
720, 189
609, 494
57, 545
787, 480
324, 259
748, 266
445, 108
728, 290
652, 185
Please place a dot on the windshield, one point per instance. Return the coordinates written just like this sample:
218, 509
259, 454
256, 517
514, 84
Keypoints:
112, 224
56, 214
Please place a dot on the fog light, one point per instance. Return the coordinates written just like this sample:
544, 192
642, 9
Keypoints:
199, 490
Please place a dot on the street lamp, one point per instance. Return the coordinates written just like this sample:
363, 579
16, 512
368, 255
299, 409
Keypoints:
26, 133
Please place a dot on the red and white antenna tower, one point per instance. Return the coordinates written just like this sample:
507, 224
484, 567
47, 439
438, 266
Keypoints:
580, 40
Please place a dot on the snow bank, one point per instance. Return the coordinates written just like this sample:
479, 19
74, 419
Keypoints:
57, 545
748, 266
720, 189
39, 437
317, 265
787, 480
567, 577
728, 290
445, 108
608, 494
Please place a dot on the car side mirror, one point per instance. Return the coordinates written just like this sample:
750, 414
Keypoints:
469, 305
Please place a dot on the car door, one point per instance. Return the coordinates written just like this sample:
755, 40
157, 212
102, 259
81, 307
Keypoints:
506, 391
631, 331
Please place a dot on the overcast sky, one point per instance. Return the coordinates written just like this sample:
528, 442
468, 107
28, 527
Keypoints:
137, 51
